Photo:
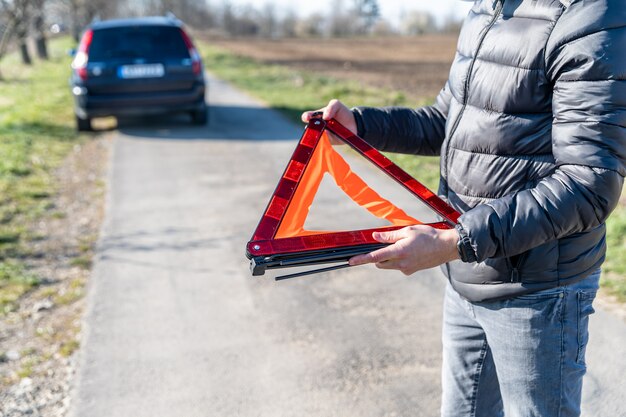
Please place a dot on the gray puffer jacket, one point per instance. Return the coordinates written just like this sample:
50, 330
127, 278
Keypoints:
531, 129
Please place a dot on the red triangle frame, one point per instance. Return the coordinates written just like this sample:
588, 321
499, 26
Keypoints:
264, 244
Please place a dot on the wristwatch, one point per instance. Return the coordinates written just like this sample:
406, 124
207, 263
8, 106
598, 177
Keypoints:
464, 247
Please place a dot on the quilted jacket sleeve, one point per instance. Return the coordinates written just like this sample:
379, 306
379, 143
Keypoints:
404, 130
586, 64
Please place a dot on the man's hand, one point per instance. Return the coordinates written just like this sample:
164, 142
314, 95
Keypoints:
413, 248
334, 110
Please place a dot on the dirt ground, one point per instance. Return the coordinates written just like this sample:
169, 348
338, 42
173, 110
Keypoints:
417, 66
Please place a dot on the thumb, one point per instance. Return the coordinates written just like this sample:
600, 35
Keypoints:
308, 115
389, 237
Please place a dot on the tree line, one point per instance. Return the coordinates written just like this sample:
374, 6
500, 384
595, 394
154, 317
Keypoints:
24, 23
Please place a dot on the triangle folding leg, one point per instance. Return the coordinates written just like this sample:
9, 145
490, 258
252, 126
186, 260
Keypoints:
280, 239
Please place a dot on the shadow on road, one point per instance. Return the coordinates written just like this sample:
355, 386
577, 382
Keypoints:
225, 122
170, 239
134, 248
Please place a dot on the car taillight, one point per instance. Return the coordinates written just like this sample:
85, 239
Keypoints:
196, 64
82, 55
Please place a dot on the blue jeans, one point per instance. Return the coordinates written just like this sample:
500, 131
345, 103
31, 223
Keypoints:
521, 357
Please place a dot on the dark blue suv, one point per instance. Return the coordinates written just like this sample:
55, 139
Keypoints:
137, 66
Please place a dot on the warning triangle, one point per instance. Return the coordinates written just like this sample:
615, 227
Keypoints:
287, 237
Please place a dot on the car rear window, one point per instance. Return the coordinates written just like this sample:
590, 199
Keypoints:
148, 42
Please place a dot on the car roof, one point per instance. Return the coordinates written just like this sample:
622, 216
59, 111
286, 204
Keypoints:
138, 21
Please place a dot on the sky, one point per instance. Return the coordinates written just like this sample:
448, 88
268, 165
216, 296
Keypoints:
390, 9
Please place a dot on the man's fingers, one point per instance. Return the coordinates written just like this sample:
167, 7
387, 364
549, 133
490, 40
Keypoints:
361, 259
306, 116
384, 254
389, 237
379, 255
387, 265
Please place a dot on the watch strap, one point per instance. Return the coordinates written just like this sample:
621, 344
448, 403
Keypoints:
464, 246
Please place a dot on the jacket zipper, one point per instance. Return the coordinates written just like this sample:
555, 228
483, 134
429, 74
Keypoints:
495, 17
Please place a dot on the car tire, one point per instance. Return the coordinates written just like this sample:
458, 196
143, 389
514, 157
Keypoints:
200, 116
83, 125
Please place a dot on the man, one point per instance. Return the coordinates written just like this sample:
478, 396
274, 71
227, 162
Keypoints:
531, 130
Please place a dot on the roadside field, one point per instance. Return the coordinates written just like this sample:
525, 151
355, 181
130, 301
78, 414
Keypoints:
299, 75
418, 67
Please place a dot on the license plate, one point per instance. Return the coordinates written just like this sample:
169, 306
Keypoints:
141, 71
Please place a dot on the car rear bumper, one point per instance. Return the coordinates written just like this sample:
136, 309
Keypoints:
88, 106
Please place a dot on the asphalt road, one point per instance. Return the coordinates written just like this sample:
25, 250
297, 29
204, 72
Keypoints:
176, 326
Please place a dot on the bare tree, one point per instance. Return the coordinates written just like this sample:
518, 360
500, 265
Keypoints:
41, 45
452, 24
341, 23
69, 14
247, 22
268, 21
197, 14
288, 25
131, 9
76, 25
8, 30
368, 13
15, 12
310, 26
77, 14
382, 27
228, 17
21, 32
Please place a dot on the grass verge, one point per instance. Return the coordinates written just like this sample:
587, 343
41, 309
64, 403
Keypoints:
294, 91
614, 277
36, 132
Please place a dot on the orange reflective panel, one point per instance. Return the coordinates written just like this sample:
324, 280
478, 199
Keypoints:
326, 160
